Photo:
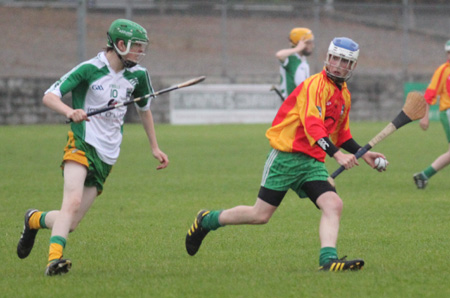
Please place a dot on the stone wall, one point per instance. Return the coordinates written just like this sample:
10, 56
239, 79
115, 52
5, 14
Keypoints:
375, 98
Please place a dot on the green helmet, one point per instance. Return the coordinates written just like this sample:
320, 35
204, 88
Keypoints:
447, 46
127, 31
131, 33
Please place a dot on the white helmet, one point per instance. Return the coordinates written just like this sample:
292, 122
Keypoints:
447, 46
345, 49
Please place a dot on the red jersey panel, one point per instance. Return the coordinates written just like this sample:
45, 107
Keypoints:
440, 86
315, 109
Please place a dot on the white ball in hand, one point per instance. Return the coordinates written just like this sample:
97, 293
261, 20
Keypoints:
380, 163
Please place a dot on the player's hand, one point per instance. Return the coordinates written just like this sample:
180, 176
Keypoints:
162, 158
348, 161
300, 45
77, 115
369, 157
424, 123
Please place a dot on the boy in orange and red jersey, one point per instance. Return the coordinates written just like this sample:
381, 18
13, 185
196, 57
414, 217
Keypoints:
439, 86
315, 112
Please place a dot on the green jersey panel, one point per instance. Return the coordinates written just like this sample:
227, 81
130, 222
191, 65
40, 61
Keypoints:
95, 85
143, 87
293, 71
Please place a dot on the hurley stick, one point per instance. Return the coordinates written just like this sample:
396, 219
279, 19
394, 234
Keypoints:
413, 109
125, 103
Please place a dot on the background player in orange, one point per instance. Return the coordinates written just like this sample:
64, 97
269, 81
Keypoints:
312, 122
438, 87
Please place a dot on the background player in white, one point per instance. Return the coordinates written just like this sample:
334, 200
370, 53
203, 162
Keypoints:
294, 68
93, 143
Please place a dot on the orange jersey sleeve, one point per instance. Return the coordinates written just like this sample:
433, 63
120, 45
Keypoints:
315, 109
439, 87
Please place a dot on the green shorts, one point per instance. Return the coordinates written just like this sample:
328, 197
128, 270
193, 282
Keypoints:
285, 170
445, 120
79, 151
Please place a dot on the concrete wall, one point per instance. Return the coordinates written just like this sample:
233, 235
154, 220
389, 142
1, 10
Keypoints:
375, 98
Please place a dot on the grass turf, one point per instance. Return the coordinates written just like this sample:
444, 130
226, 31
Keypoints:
131, 242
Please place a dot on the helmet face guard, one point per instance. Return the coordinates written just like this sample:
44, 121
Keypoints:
134, 37
342, 55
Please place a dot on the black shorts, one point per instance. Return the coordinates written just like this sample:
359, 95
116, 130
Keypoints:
314, 189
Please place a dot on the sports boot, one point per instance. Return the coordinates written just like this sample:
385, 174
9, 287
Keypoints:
58, 267
342, 265
196, 233
420, 180
26, 241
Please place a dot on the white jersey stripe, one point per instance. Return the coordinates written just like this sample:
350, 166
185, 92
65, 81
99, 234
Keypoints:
273, 154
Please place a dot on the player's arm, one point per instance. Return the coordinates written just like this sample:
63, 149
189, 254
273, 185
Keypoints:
55, 103
348, 161
149, 127
284, 53
369, 157
68, 82
145, 87
437, 83
425, 121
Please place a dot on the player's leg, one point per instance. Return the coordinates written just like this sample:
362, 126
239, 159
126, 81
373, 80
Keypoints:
74, 178
324, 196
60, 265
34, 219
206, 221
84, 176
89, 195
30, 228
267, 202
421, 178
331, 206
259, 213
441, 162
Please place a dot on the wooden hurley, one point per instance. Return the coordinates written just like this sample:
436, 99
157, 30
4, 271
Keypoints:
415, 106
413, 109
125, 103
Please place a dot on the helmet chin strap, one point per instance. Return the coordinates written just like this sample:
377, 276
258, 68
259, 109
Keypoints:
337, 80
126, 63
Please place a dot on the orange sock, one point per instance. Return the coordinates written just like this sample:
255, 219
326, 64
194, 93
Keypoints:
34, 221
57, 244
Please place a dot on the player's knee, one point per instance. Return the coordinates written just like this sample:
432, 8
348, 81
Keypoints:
261, 218
336, 205
330, 202
73, 206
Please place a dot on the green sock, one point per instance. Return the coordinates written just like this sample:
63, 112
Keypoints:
59, 240
211, 220
327, 254
42, 220
429, 172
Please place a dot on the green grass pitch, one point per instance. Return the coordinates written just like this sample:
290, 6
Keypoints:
131, 242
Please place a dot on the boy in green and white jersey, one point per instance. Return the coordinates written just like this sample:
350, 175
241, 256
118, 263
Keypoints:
294, 67
94, 85
93, 143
